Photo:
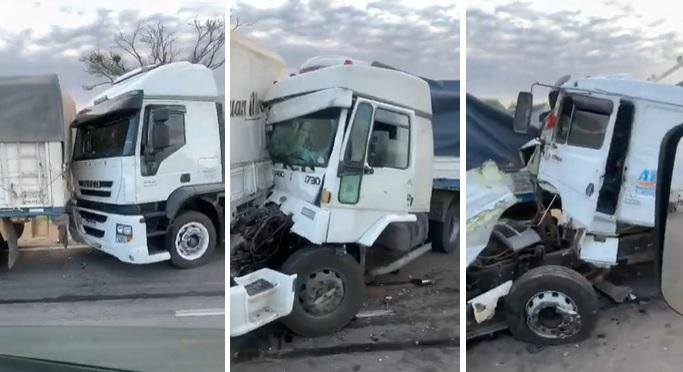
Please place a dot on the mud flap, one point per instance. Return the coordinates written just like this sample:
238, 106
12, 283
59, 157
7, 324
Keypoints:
9, 234
672, 256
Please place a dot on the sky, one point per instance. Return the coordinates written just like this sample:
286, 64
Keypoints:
511, 44
420, 37
48, 36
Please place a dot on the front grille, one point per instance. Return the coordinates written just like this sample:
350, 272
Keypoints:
93, 231
101, 218
95, 193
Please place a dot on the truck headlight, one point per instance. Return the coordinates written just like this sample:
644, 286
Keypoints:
124, 233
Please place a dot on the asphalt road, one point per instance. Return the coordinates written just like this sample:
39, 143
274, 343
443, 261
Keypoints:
81, 305
642, 336
402, 327
60, 287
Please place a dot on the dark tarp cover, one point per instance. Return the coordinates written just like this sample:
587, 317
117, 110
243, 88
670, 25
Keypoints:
490, 136
445, 116
445, 113
31, 109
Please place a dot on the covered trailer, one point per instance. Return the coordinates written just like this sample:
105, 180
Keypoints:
34, 147
253, 70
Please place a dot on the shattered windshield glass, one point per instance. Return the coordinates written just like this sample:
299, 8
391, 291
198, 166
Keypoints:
306, 140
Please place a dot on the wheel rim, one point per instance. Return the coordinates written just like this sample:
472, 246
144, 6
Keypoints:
192, 241
552, 314
321, 293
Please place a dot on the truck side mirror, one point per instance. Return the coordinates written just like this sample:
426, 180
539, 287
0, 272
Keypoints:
525, 101
161, 137
161, 115
379, 144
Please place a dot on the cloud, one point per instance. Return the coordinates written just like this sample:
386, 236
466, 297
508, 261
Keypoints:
515, 45
421, 41
25, 51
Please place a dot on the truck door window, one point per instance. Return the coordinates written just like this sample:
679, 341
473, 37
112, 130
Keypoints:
390, 140
583, 121
566, 112
176, 134
588, 129
353, 165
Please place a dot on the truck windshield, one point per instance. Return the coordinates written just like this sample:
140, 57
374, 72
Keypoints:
112, 138
306, 140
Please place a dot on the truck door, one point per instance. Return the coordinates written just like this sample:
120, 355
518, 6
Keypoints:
375, 171
669, 219
164, 167
574, 162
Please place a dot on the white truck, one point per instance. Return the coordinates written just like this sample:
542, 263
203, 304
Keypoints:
147, 167
34, 150
596, 164
352, 151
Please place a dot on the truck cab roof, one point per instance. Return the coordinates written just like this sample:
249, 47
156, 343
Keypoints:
174, 80
392, 86
635, 89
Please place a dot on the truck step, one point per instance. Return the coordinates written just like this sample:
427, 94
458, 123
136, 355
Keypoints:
263, 316
259, 298
259, 286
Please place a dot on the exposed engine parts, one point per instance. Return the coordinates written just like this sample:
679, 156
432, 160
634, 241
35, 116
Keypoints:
264, 232
515, 248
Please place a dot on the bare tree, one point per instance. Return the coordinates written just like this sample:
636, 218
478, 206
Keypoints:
155, 44
236, 22
161, 44
210, 40
108, 65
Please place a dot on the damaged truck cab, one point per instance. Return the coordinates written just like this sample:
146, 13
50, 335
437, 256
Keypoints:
351, 145
596, 165
332, 139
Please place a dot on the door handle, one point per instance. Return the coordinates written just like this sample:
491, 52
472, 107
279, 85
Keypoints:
589, 189
185, 178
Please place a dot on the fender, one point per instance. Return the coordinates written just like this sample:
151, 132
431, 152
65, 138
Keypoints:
368, 238
181, 195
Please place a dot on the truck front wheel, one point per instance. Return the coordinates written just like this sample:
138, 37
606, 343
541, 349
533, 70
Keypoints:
191, 240
551, 305
329, 290
445, 235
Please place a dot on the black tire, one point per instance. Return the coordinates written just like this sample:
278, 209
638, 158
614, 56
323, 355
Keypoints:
315, 260
442, 232
559, 283
19, 228
189, 217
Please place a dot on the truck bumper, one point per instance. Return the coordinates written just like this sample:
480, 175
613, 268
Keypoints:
260, 298
98, 230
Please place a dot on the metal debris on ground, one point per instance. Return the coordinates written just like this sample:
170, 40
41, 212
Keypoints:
422, 282
374, 313
534, 348
617, 293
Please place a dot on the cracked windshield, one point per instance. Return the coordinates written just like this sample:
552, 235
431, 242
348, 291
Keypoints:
306, 140
112, 188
